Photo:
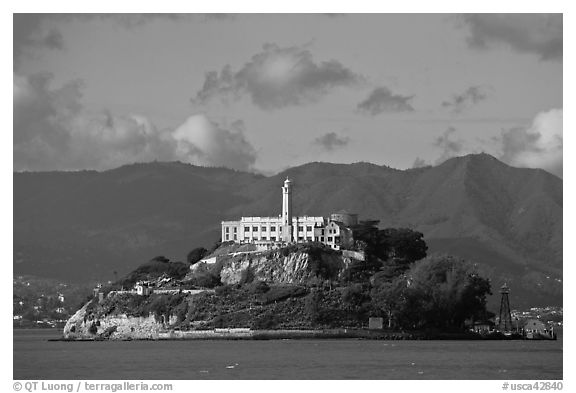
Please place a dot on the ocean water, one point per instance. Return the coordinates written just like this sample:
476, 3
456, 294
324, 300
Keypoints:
37, 358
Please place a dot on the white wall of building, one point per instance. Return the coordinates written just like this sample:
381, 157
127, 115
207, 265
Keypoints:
271, 229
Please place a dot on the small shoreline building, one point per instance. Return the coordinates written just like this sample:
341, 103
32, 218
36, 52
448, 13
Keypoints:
268, 231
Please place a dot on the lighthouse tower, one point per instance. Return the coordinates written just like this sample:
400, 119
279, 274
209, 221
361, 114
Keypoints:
287, 211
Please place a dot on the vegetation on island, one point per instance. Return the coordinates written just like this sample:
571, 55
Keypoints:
397, 281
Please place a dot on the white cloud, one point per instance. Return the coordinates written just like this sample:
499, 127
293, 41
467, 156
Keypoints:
537, 146
214, 145
277, 78
53, 131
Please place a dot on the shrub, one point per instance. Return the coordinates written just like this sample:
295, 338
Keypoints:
161, 259
196, 254
264, 321
355, 295
205, 279
93, 329
258, 287
361, 271
181, 311
155, 268
219, 321
312, 305
224, 290
279, 293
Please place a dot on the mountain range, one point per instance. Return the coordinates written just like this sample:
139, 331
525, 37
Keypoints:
90, 225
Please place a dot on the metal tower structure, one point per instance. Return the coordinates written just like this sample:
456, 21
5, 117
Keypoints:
505, 319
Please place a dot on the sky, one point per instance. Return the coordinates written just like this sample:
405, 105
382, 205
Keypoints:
264, 92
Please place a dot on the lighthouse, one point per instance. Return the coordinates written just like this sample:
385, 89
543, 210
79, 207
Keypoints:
287, 211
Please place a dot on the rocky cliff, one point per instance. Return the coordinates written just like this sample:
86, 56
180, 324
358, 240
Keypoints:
283, 266
89, 325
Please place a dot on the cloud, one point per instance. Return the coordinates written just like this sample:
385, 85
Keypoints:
471, 96
217, 146
540, 34
331, 141
33, 32
449, 146
382, 100
53, 131
537, 146
419, 163
30, 33
276, 78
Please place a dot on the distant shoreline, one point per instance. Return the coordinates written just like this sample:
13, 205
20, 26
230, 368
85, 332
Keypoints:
247, 334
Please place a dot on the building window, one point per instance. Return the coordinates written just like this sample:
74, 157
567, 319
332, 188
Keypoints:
300, 228
246, 239
235, 237
235, 229
263, 229
254, 229
322, 231
227, 237
321, 238
309, 238
329, 238
273, 229
273, 238
246, 229
227, 229
309, 228
264, 238
300, 238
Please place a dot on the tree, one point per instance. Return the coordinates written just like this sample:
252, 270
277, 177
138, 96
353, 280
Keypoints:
196, 255
388, 297
361, 271
312, 306
402, 246
450, 291
437, 292
355, 295
161, 259
365, 234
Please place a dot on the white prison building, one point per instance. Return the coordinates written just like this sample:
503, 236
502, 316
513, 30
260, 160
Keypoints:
285, 228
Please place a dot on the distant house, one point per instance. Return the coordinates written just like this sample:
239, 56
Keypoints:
143, 288
375, 323
535, 326
483, 326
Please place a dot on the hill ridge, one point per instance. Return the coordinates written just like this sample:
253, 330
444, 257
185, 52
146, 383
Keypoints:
85, 225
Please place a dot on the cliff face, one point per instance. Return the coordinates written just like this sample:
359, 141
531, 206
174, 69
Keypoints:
273, 267
84, 325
